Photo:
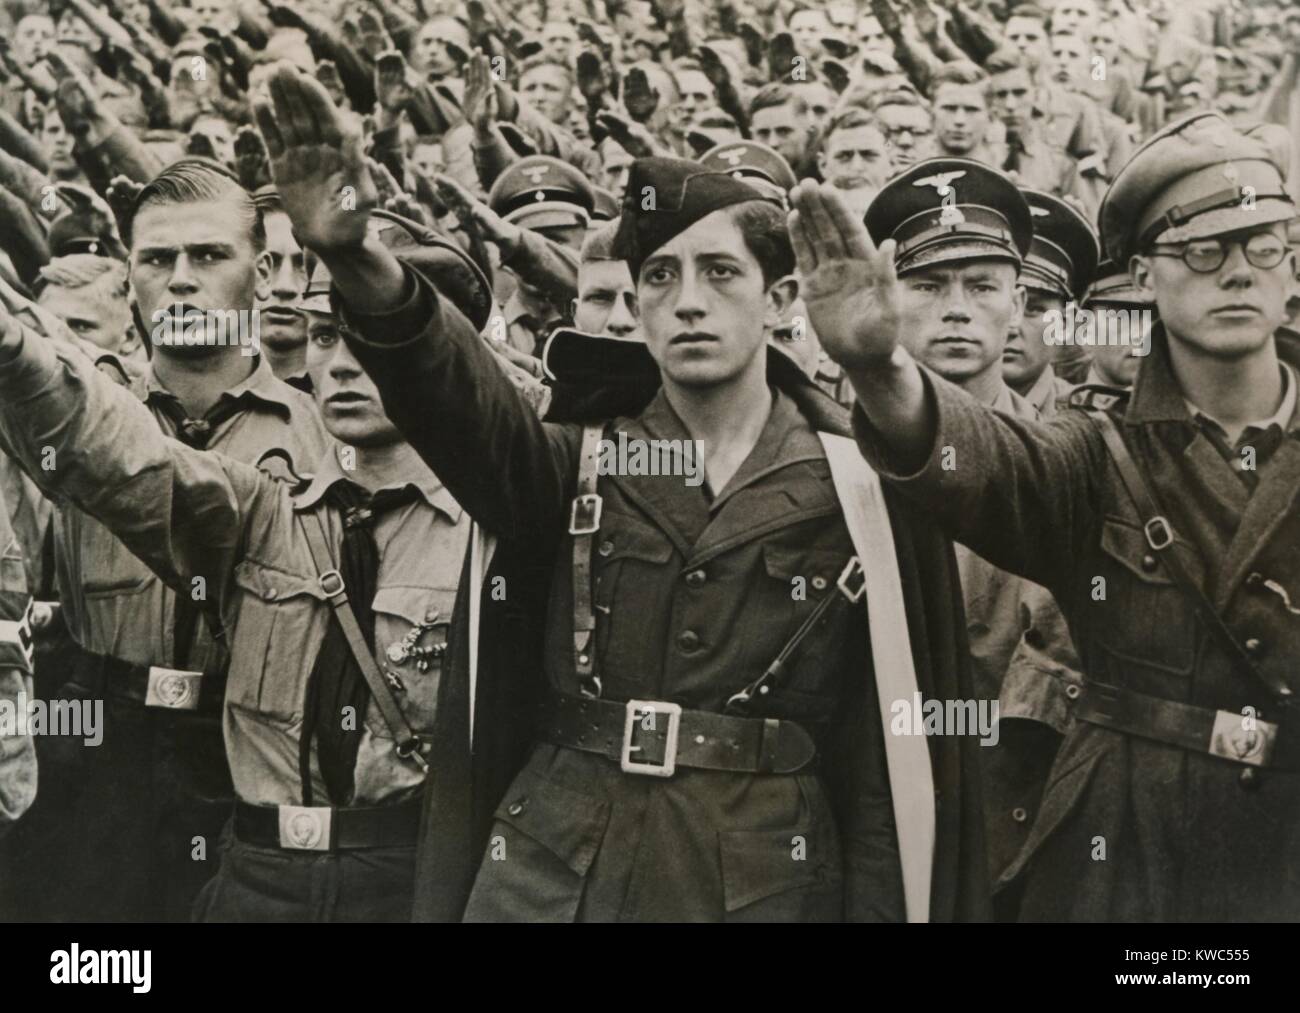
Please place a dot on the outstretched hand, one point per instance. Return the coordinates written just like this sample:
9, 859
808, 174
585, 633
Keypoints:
848, 284
316, 161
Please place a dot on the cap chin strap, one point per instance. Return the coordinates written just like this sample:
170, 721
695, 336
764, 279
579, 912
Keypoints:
1181, 214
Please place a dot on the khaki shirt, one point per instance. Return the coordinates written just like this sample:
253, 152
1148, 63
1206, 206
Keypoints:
17, 751
113, 604
189, 513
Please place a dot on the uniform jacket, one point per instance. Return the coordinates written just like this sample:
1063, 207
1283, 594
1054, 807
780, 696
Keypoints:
188, 513
1023, 659
1130, 828
693, 599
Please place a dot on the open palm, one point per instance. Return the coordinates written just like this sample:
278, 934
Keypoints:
316, 161
848, 284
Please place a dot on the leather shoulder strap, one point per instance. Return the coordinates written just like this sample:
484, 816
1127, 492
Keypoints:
409, 745
1160, 537
584, 522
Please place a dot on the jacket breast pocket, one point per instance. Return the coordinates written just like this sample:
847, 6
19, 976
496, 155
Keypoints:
629, 589
1140, 615
788, 875
411, 626
544, 840
279, 626
795, 582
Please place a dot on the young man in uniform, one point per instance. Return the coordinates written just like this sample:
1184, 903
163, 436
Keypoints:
335, 597
1061, 262
965, 243
154, 796
1112, 292
671, 770
1165, 525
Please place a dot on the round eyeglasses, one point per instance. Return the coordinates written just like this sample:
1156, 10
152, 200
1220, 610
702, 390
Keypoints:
1262, 250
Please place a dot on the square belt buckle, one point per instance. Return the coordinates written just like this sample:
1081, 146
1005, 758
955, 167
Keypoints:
637, 711
584, 517
1231, 740
305, 827
173, 688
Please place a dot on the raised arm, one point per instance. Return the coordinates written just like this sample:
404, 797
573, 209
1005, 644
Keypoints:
83, 438
1021, 494
439, 383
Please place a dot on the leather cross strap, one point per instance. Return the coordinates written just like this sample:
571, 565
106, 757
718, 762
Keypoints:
1160, 536
409, 745
1225, 734
584, 522
702, 740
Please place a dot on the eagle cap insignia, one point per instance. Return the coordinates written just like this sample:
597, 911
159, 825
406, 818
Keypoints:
733, 156
1039, 212
940, 181
536, 172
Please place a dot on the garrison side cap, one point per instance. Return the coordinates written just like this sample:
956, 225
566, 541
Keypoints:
1064, 252
943, 210
540, 191
749, 160
1113, 284
1198, 177
683, 192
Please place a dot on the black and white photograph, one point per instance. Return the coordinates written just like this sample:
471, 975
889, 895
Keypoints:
650, 461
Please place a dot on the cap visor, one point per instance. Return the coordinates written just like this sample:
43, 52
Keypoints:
1266, 211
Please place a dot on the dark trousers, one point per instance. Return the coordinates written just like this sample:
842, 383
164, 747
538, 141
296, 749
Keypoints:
126, 831
263, 884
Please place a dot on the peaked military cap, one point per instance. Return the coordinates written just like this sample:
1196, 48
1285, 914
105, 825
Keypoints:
1198, 177
1064, 252
943, 210
540, 191
665, 197
1113, 283
751, 161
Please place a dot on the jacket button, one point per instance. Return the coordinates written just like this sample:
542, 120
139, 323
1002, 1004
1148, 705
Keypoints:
689, 641
269, 594
696, 579
518, 806
605, 547
1072, 690
1019, 815
1249, 779
1148, 562
819, 583
1254, 647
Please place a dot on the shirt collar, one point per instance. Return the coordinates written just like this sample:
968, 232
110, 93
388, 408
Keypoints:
1280, 418
433, 492
260, 385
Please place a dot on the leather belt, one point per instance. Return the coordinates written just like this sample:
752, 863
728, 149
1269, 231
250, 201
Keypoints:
1230, 735
655, 737
175, 689
326, 828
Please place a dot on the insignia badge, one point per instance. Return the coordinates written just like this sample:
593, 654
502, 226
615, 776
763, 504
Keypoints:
540, 195
536, 172
733, 156
304, 828
1038, 212
941, 181
951, 215
408, 647
174, 690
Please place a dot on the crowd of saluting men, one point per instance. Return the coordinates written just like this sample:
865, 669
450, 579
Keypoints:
321, 323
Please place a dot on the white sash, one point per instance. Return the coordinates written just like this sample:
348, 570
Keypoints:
481, 547
911, 780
